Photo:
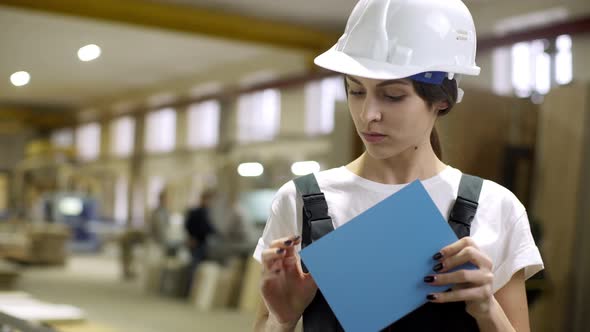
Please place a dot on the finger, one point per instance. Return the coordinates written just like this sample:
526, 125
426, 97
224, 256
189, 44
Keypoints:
271, 258
466, 255
290, 263
285, 248
480, 293
473, 277
286, 242
456, 247
292, 247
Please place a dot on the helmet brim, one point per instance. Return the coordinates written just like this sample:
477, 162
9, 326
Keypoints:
341, 62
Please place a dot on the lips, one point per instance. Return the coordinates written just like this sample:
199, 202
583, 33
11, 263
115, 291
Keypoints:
372, 137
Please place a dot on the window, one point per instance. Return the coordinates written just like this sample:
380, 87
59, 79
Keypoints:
259, 115
542, 61
534, 68
121, 205
160, 131
531, 70
563, 60
320, 101
502, 74
521, 69
203, 124
122, 136
63, 138
88, 141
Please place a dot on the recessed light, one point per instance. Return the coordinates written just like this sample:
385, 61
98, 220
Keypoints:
88, 52
250, 169
305, 167
20, 78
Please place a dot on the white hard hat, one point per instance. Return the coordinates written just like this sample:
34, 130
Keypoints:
426, 40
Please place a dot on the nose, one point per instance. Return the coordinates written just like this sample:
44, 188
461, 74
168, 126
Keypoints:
371, 110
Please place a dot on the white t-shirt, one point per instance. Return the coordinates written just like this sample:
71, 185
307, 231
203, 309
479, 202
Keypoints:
500, 228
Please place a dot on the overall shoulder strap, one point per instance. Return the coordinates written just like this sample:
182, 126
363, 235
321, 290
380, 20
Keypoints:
465, 207
316, 221
317, 317
307, 185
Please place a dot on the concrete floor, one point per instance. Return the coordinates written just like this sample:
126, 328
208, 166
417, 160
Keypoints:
93, 284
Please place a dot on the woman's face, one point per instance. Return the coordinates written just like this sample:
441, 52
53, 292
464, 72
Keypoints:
389, 115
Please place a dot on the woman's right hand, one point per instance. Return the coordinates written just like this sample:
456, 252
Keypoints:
286, 289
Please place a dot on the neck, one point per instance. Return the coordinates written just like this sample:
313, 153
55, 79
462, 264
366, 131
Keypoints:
405, 167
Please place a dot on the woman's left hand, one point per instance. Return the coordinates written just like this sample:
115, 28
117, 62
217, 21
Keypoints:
472, 286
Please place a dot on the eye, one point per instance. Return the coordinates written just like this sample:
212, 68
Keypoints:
356, 92
394, 98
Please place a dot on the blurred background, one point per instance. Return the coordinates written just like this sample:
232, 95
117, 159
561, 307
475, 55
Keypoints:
141, 143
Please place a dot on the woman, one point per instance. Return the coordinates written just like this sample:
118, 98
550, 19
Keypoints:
401, 60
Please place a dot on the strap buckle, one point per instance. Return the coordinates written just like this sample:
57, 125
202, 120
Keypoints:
315, 206
463, 211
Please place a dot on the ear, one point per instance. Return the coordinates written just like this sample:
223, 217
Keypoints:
442, 105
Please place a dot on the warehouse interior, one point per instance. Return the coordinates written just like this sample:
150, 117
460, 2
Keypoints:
114, 111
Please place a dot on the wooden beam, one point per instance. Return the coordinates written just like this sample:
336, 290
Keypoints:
37, 119
574, 27
188, 19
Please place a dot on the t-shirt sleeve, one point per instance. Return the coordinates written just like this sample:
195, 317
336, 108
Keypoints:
519, 251
282, 220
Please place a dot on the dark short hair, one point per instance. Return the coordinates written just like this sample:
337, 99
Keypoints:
208, 194
434, 93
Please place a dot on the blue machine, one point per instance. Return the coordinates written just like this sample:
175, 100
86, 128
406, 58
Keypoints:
78, 211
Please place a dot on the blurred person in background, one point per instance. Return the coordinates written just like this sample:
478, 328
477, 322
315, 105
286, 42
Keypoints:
159, 222
154, 237
199, 228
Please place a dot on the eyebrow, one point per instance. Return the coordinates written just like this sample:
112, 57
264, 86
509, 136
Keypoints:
384, 83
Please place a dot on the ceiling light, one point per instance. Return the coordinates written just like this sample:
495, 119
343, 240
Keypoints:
250, 169
88, 52
20, 78
305, 167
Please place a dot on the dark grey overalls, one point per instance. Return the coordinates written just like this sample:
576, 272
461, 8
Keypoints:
447, 317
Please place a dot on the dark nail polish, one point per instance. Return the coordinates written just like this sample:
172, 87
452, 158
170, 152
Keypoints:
288, 242
280, 251
437, 256
431, 297
296, 238
429, 279
438, 267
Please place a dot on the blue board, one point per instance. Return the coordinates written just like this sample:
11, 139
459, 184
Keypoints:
371, 269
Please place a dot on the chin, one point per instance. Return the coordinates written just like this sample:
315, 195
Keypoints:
381, 153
